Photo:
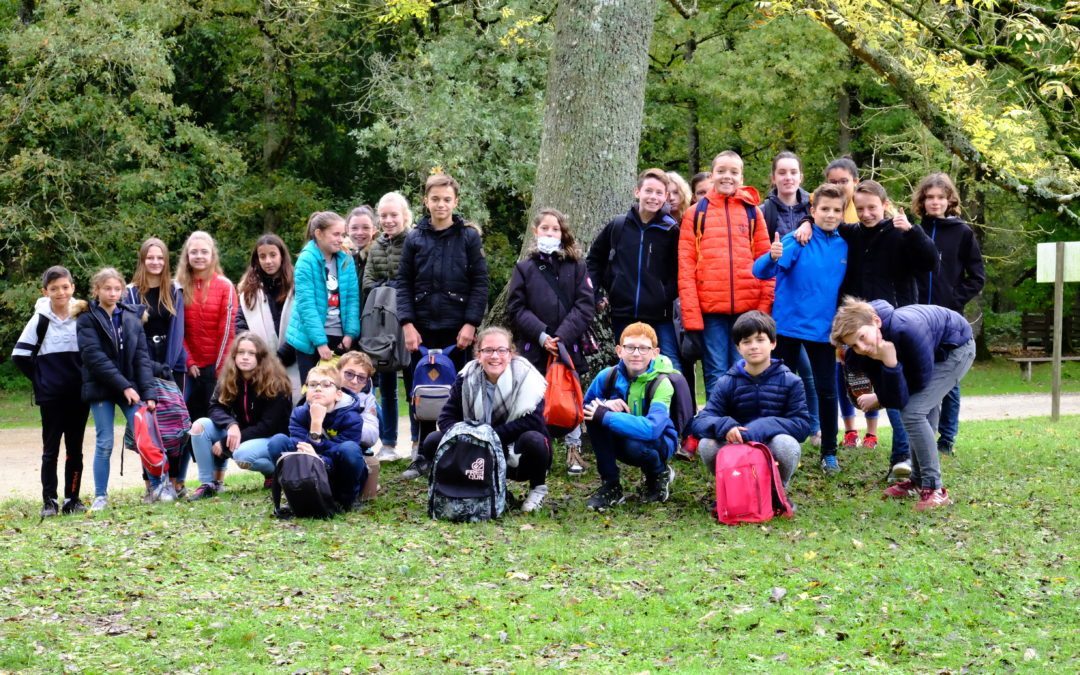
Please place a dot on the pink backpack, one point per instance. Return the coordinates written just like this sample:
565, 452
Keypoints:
748, 485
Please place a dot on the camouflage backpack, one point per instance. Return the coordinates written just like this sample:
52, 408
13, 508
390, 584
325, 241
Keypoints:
468, 475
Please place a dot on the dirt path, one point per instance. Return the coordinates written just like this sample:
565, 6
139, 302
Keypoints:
20, 449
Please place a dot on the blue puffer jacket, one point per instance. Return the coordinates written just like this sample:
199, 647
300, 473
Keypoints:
923, 335
344, 423
772, 403
306, 328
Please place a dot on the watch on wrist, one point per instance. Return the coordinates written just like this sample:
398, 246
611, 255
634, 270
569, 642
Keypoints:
315, 436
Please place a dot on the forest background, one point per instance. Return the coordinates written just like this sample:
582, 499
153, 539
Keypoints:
121, 119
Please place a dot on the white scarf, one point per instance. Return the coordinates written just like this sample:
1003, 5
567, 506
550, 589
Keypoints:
518, 391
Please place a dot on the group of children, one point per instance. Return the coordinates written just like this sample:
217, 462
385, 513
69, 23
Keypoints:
241, 353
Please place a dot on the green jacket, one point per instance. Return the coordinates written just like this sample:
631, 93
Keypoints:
383, 259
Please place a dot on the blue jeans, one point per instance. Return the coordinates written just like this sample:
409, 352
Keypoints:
650, 456
822, 357
901, 449
203, 443
388, 411
949, 424
345, 466
720, 353
104, 413
263, 457
807, 375
665, 334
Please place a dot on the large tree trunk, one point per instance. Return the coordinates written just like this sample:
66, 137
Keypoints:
593, 109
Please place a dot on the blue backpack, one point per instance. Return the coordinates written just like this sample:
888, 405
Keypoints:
434, 375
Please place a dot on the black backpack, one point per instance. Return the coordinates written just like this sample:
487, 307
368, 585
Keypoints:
468, 475
302, 477
683, 406
381, 335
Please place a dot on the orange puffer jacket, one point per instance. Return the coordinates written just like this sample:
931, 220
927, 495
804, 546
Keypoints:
715, 268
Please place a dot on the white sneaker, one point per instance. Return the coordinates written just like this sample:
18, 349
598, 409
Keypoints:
166, 492
535, 499
99, 504
387, 453
900, 471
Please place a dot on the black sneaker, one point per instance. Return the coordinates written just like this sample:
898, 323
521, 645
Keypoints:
658, 487
72, 506
945, 448
419, 467
202, 492
50, 509
608, 496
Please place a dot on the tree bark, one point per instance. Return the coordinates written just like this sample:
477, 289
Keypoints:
593, 109
26, 11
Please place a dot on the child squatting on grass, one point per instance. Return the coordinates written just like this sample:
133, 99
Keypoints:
913, 355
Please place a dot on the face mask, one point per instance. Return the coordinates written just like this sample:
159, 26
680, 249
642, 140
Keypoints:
548, 245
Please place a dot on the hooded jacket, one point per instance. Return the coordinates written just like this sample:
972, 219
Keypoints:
56, 370
768, 404
779, 217
960, 276
923, 335
307, 326
383, 261
442, 280
883, 262
649, 425
535, 309
345, 422
715, 275
636, 265
111, 365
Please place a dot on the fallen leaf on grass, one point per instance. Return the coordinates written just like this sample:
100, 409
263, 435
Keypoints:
777, 594
521, 576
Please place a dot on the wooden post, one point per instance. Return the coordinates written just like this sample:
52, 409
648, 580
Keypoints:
1059, 302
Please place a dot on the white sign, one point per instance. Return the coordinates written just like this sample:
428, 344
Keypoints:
1046, 259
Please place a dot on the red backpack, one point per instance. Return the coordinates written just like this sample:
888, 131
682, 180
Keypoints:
748, 485
149, 444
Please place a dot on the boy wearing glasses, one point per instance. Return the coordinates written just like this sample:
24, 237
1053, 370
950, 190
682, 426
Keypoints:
625, 427
331, 425
356, 379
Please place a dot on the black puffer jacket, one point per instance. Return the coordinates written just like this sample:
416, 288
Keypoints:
384, 258
535, 308
257, 416
442, 281
883, 262
107, 368
636, 264
961, 275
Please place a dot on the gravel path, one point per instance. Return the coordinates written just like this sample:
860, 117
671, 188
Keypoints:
20, 449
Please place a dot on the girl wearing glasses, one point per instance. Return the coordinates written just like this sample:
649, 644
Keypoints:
502, 389
251, 403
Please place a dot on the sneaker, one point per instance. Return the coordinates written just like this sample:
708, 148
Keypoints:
99, 503
181, 493
945, 448
869, 441
815, 439
268, 483
419, 467
931, 499
608, 496
150, 496
851, 439
829, 463
219, 486
72, 506
202, 492
50, 509
899, 471
535, 499
166, 492
658, 488
575, 465
905, 489
387, 453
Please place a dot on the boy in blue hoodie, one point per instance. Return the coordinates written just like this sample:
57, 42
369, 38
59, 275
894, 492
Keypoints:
330, 425
624, 426
913, 355
758, 399
807, 289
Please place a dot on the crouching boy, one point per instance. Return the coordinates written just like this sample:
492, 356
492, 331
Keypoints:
914, 356
330, 425
624, 427
758, 399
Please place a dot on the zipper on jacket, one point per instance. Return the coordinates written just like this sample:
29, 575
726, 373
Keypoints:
930, 285
109, 329
731, 255
637, 289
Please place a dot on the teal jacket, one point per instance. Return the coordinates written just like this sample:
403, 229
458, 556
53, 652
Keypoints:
305, 331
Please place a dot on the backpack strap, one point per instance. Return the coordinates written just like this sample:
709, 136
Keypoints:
609, 382
42, 328
751, 222
702, 207
651, 390
553, 283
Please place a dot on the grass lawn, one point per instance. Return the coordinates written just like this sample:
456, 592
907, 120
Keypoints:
851, 583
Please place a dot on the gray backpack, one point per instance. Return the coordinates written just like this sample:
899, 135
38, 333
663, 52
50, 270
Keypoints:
381, 335
468, 475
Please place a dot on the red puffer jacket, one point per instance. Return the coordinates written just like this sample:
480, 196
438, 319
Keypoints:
715, 268
209, 322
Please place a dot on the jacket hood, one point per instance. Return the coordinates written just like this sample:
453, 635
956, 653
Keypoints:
948, 221
43, 306
660, 364
801, 195
884, 311
456, 221
662, 219
747, 194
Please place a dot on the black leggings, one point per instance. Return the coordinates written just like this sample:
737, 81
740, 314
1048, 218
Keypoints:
533, 446
65, 419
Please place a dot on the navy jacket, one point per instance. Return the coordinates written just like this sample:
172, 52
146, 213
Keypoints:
961, 275
257, 417
442, 279
779, 217
637, 264
535, 308
507, 431
108, 369
923, 335
772, 403
342, 424
883, 262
